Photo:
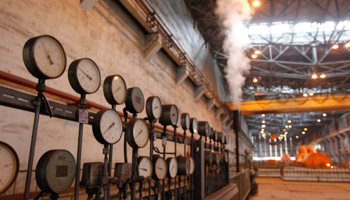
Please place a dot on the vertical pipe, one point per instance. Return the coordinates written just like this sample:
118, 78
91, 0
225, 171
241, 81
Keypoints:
237, 128
151, 156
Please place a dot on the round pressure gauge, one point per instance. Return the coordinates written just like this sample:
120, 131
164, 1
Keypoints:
84, 76
144, 166
44, 57
193, 125
114, 89
107, 126
185, 121
208, 157
55, 171
137, 133
216, 158
192, 165
184, 165
214, 136
203, 128
134, 101
172, 167
169, 116
9, 166
160, 168
221, 138
153, 108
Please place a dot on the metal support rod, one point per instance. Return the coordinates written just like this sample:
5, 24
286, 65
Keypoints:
185, 145
191, 177
110, 162
105, 173
237, 128
134, 172
164, 135
125, 142
80, 144
151, 155
37, 103
175, 141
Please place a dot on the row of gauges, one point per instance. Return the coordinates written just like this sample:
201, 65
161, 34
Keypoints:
44, 57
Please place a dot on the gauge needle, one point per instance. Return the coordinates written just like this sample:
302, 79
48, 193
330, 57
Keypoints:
109, 127
117, 90
139, 133
87, 75
48, 55
160, 168
144, 169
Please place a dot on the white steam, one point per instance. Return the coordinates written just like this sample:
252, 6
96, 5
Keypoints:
234, 14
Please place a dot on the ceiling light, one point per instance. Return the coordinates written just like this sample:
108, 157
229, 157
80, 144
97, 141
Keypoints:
263, 115
305, 95
324, 114
256, 3
257, 52
314, 76
286, 126
311, 94
347, 45
335, 46
305, 129
254, 56
289, 121
284, 129
290, 126
263, 121
286, 132
296, 137
255, 80
263, 126
318, 120
303, 132
322, 76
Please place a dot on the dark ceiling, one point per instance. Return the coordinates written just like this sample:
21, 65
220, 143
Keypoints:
287, 58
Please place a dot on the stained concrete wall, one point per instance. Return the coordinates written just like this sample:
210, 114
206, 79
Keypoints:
110, 36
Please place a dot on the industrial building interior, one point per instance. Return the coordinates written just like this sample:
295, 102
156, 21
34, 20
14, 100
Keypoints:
175, 99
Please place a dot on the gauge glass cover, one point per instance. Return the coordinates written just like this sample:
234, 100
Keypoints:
114, 89
160, 168
145, 167
193, 125
185, 121
192, 165
174, 114
153, 107
107, 126
173, 167
135, 101
137, 133
9, 166
88, 75
44, 57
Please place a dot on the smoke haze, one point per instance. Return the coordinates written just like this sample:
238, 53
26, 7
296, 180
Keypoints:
233, 14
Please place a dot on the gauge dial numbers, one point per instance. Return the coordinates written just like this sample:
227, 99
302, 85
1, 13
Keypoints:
135, 101
9, 166
84, 76
114, 89
153, 108
203, 128
144, 165
185, 121
184, 165
193, 125
160, 169
192, 165
107, 126
44, 57
137, 133
172, 167
169, 116
55, 171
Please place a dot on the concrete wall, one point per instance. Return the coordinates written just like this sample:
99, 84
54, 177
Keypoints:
115, 41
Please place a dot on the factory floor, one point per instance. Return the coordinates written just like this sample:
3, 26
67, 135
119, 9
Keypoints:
276, 188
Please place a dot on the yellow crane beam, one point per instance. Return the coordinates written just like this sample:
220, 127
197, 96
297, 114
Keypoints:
293, 105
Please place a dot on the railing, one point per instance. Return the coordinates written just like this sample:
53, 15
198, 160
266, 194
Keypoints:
242, 179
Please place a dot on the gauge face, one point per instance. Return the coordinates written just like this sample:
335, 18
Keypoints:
44, 57
107, 126
172, 167
193, 125
203, 128
144, 166
114, 89
9, 166
84, 76
135, 101
55, 171
184, 165
153, 108
160, 168
192, 165
137, 133
169, 116
185, 121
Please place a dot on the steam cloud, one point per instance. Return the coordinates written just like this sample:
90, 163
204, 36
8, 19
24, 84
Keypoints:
233, 14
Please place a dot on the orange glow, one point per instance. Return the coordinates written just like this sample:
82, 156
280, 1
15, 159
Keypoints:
323, 76
335, 46
257, 52
314, 76
256, 3
254, 56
